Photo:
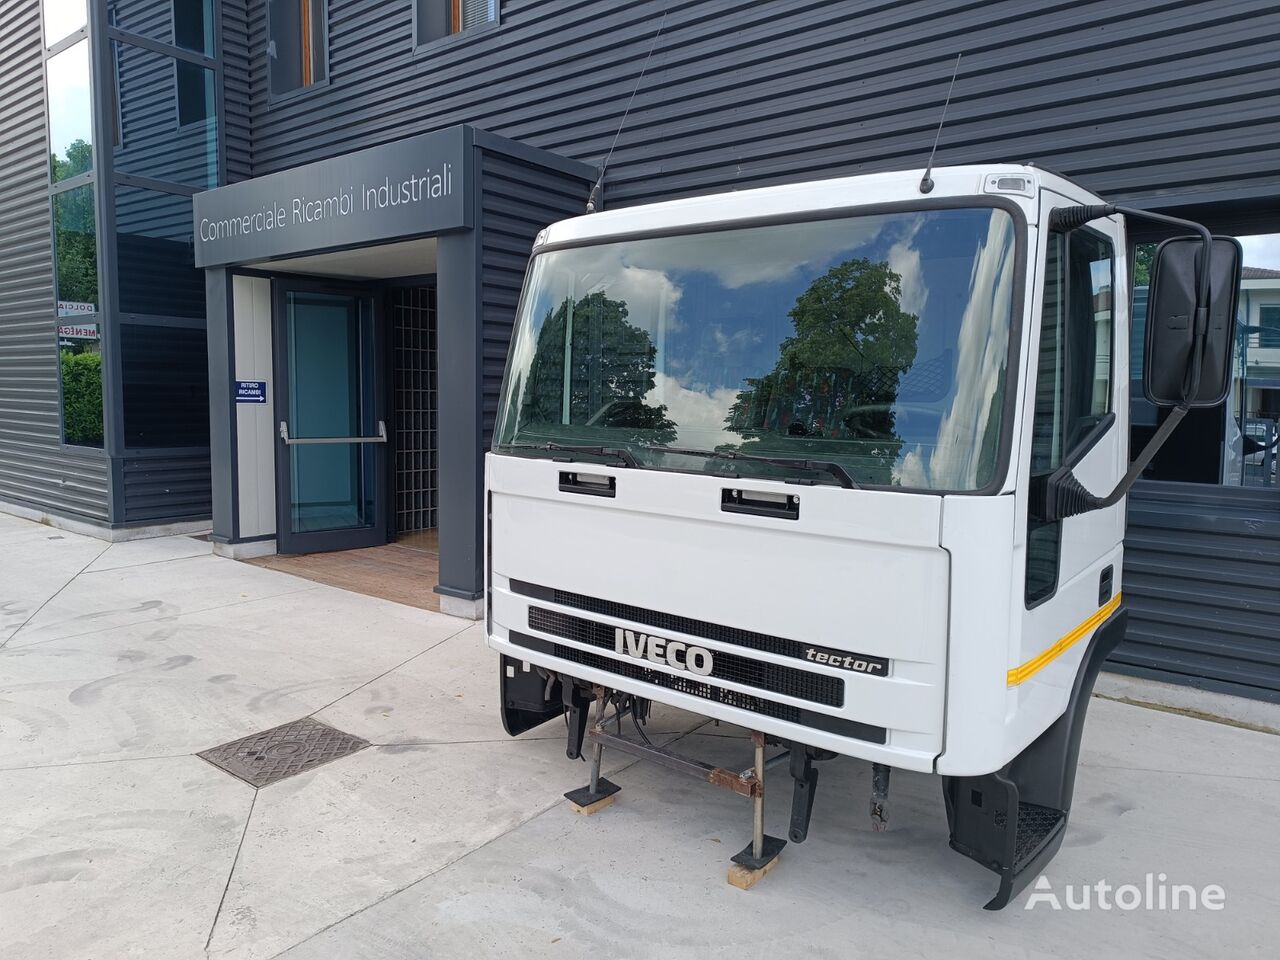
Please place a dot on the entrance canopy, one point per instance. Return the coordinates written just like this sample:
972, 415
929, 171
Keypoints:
455, 212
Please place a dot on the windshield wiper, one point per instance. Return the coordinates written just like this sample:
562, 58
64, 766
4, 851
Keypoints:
618, 453
818, 466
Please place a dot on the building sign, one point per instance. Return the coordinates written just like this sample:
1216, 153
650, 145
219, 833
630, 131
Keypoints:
72, 308
413, 187
251, 391
77, 331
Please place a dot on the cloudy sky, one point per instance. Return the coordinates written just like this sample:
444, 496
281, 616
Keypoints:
1262, 251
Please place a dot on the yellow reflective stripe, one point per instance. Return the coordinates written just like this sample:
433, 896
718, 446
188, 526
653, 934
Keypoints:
1039, 662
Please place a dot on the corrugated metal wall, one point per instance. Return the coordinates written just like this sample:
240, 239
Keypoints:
1136, 98
34, 470
1201, 572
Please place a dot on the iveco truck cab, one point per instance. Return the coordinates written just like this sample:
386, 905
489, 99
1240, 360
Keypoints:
842, 463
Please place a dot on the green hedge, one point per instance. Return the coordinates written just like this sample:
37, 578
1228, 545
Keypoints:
82, 398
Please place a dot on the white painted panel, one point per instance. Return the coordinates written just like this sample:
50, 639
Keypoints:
255, 422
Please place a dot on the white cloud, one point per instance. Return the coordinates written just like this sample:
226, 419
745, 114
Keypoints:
699, 414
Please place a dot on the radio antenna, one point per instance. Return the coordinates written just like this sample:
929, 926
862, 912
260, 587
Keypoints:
926, 182
599, 184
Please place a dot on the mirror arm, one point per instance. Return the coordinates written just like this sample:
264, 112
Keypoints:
1065, 496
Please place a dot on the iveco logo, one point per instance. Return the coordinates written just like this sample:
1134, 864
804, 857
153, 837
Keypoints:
673, 653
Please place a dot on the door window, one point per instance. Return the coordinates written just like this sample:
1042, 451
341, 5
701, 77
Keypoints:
1073, 375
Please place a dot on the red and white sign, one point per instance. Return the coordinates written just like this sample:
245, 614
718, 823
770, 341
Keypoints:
78, 331
74, 308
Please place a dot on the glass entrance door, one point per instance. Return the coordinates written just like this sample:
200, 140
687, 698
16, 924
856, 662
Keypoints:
331, 469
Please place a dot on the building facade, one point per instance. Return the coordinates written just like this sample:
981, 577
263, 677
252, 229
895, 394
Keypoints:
146, 368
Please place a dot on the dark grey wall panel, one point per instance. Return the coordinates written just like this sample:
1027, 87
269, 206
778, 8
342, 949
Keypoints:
34, 470
1139, 99
1201, 572
235, 88
166, 489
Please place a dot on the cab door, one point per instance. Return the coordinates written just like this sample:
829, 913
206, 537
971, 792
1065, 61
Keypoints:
1078, 400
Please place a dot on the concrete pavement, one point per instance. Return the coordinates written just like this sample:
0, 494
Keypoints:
447, 839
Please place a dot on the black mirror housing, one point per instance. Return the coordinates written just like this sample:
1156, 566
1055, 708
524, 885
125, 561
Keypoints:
1171, 340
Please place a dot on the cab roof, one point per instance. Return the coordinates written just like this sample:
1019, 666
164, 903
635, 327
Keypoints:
1019, 183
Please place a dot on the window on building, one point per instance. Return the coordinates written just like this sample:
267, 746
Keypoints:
169, 128
155, 264
193, 25
440, 18
80, 379
79, 337
164, 373
195, 93
75, 252
62, 18
1269, 324
70, 112
297, 44
1073, 375
1238, 442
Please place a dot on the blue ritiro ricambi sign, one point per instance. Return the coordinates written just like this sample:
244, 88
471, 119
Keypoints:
410, 188
251, 391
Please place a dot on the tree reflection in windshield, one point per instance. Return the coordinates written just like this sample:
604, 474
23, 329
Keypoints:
838, 374
611, 371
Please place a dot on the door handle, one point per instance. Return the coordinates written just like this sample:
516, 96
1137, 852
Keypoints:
293, 441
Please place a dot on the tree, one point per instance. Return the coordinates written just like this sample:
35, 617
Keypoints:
837, 375
79, 159
81, 398
1142, 256
74, 228
611, 371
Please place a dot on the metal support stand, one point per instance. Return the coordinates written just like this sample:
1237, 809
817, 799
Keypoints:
599, 793
880, 797
758, 857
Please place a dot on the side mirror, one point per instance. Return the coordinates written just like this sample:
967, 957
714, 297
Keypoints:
1189, 361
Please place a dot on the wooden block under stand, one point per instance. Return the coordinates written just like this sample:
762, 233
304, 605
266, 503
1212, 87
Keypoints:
594, 807
744, 878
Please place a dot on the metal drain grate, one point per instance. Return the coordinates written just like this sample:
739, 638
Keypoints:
271, 755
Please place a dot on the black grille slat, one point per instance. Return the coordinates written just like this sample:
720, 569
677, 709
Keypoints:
688, 685
788, 681
662, 621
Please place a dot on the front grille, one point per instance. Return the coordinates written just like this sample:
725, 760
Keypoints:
788, 681
661, 621
696, 688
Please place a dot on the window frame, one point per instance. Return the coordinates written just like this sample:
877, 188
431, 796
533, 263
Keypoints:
421, 46
1071, 437
303, 89
1004, 472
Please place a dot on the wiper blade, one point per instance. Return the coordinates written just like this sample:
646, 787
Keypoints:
618, 453
818, 466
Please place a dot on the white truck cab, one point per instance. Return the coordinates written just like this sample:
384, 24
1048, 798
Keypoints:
842, 463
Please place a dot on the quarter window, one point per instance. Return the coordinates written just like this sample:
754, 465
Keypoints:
297, 44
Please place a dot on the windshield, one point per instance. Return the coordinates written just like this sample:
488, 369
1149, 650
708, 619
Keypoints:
877, 343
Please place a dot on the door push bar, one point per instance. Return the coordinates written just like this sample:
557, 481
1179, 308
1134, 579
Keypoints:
293, 441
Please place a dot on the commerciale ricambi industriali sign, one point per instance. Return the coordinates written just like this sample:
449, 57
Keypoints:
408, 188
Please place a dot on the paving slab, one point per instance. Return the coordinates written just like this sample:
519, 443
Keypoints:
188, 682
135, 553
646, 878
36, 562
157, 592
324, 844
116, 860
